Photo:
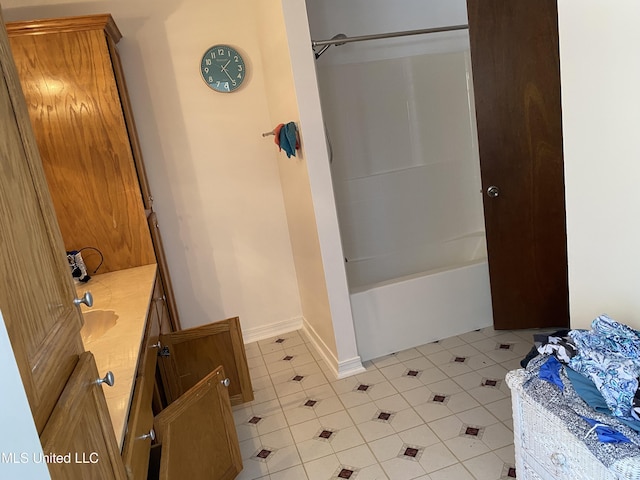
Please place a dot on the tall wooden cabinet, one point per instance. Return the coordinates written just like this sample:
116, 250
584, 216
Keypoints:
77, 98
37, 297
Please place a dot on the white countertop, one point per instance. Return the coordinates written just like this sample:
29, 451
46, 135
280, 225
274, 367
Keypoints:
113, 331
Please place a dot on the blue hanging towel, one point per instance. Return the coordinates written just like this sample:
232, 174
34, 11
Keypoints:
289, 139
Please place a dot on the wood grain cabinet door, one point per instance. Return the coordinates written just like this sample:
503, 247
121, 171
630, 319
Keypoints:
197, 433
66, 72
81, 429
36, 290
188, 356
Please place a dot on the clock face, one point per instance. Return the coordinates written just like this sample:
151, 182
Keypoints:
222, 68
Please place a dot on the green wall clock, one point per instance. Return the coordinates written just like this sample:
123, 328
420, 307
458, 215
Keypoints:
223, 68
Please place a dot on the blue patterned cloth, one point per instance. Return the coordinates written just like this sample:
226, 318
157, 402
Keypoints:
609, 354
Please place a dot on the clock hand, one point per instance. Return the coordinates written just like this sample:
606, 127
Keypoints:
224, 69
227, 73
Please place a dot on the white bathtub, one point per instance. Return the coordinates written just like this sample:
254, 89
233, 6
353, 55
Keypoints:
416, 309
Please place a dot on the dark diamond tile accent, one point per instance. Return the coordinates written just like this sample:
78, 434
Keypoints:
263, 453
288, 358
505, 346
345, 473
363, 387
490, 383
512, 472
411, 452
297, 378
280, 340
384, 416
325, 434
472, 431
460, 359
413, 373
310, 403
254, 420
439, 398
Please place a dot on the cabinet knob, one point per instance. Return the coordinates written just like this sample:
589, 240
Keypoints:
87, 299
157, 345
493, 191
151, 435
109, 379
226, 382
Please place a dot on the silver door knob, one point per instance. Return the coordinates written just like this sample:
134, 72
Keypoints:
87, 299
109, 379
151, 435
157, 345
493, 191
226, 382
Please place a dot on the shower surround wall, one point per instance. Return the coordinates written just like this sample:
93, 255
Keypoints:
400, 119
405, 166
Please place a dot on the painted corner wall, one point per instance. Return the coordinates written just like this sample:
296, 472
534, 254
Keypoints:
600, 74
294, 177
214, 178
316, 158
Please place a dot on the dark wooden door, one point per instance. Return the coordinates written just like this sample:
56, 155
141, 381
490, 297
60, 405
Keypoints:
516, 77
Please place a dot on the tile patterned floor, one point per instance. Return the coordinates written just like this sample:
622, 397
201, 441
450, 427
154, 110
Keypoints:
441, 411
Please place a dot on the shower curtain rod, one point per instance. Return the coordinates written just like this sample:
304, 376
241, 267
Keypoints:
341, 40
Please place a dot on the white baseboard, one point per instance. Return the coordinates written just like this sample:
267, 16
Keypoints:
342, 369
267, 331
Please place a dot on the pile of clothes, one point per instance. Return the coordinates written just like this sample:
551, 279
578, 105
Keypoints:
590, 379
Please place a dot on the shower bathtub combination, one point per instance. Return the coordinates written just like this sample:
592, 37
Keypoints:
400, 123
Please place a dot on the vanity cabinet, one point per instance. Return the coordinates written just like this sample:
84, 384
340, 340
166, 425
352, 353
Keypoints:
90, 163
76, 93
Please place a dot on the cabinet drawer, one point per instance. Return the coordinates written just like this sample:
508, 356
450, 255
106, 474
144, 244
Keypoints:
137, 441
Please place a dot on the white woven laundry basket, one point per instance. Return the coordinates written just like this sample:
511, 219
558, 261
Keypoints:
546, 450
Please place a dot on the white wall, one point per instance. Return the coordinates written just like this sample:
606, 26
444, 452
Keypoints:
600, 72
19, 435
214, 178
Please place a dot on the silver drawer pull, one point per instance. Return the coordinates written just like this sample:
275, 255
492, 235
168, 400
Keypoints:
226, 382
151, 435
558, 459
87, 299
109, 379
